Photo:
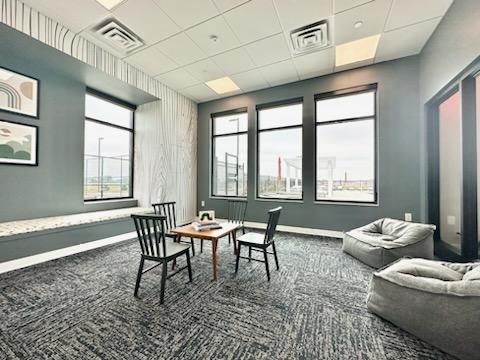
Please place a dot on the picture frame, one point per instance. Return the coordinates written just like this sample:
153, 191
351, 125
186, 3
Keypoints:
18, 144
19, 93
206, 215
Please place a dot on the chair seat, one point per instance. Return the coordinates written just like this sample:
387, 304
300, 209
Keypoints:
173, 248
252, 238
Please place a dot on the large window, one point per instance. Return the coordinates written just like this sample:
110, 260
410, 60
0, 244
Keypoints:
229, 153
345, 146
279, 174
108, 149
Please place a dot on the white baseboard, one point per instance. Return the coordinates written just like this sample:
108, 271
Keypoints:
295, 229
56, 254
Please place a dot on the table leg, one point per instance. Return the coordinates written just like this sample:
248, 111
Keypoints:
214, 259
235, 245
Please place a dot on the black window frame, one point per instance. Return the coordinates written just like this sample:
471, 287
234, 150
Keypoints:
129, 106
345, 92
242, 110
271, 105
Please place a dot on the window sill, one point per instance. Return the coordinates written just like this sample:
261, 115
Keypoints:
287, 201
346, 203
110, 201
227, 197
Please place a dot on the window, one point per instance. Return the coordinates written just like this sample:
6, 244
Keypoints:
346, 146
279, 174
108, 150
229, 153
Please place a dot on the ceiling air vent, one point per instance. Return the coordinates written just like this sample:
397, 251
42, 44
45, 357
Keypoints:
118, 36
310, 38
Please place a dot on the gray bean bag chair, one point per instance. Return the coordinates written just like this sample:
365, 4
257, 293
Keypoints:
386, 240
437, 301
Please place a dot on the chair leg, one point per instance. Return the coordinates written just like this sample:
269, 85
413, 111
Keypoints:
201, 246
139, 277
243, 230
189, 266
238, 257
249, 253
229, 239
266, 263
275, 255
193, 246
163, 282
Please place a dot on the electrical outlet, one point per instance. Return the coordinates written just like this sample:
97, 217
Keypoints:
203, 203
408, 216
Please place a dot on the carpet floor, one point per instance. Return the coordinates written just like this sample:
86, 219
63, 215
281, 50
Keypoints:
82, 307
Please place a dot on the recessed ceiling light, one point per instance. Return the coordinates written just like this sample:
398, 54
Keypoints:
356, 51
110, 4
222, 85
358, 24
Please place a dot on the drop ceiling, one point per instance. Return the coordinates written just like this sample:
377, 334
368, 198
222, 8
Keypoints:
191, 42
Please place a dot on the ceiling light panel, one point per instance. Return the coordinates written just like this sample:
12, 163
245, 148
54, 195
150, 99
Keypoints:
356, 51
110, 4
222, 85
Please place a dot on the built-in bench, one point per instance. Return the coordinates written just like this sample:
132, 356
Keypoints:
24, 238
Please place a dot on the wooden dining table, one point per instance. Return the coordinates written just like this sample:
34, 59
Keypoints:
211, 235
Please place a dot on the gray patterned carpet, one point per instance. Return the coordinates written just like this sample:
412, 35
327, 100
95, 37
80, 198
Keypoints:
82, 307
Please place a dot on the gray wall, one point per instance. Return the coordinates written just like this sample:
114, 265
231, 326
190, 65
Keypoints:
399, 147
55, 187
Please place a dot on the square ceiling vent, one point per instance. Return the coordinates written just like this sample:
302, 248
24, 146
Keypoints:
310, 38
117, 35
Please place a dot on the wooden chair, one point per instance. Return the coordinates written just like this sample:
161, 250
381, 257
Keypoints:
261, 242
154, 247
168, 209
236, 211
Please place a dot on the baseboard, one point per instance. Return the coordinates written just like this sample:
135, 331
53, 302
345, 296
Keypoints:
56, 254
295, 229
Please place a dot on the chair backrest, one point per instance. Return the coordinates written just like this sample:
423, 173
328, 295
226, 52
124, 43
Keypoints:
167, 209
236, 211
273, 216
151, 234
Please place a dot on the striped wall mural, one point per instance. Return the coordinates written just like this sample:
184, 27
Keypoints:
165, 139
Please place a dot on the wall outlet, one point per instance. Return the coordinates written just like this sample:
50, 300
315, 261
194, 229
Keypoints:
408, 216
202, 203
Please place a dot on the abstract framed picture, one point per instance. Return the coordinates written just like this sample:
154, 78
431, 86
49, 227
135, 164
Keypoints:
18, 93
18, 144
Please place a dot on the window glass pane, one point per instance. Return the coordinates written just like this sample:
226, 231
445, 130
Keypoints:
107, 161
230, 124
280, 116
346, 161
230, 165
346, 107
107, 111
280, 164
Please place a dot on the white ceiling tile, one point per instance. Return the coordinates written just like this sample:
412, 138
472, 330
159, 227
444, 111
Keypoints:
342, 5
315, 64
373, 15
181, 49
294, 13
74, 14
407, 12
146, 19
217, 26
178, 79
250, 80
200, 92
152, 61
187, 13
253, 20
280, 73
234, 61
205, 70
225, 5
269, 50
405, 41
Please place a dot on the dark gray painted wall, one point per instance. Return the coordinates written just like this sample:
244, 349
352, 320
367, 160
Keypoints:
398, 136
55, 187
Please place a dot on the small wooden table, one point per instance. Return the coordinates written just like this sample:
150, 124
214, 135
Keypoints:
212, 235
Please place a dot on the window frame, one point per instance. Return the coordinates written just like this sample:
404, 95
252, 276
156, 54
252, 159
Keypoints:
129, 106
212, 148
345, 92
271, 105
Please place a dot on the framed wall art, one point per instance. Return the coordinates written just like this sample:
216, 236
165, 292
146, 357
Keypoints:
18, 93
18, 144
